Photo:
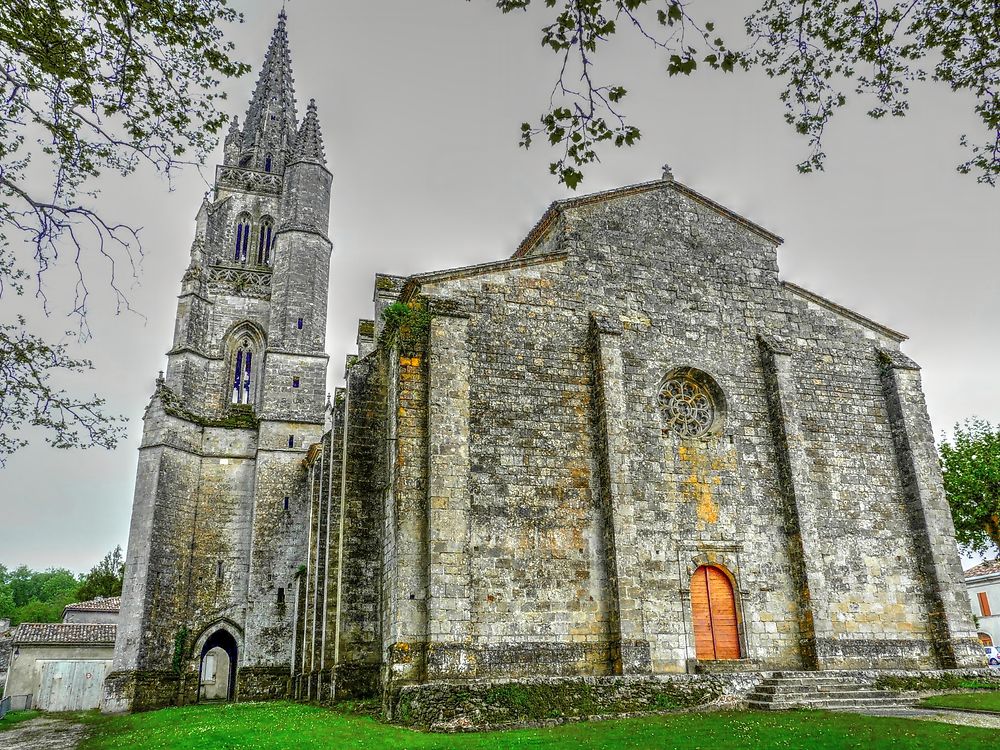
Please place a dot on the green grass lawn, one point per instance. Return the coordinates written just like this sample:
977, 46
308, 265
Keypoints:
16, 717
976, 701
278, 726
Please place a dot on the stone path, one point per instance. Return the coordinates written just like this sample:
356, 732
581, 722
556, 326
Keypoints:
43, 734
963, 718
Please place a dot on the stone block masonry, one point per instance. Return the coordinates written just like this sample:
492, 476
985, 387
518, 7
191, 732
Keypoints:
626, 467
570, 438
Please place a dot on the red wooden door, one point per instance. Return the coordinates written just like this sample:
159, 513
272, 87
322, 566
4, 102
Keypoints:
713, 610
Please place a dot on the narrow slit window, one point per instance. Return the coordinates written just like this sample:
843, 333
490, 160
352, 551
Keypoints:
267, 163
286, 502
281, 595
265, 240
218, 570
291, 441
295, 382
242, 238
300, 324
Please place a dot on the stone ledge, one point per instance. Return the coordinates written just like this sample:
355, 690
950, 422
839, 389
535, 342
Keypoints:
475, 705
450, 706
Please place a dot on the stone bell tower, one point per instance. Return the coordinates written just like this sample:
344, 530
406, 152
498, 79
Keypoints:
220, 516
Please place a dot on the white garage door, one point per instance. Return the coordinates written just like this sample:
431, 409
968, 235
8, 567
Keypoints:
71, 685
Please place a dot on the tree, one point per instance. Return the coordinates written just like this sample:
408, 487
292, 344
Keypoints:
89, 87
970, 463
6, 605
36, 596
105, 578
823, 51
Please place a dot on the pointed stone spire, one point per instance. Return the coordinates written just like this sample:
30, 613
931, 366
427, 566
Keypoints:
309, 143
270, 125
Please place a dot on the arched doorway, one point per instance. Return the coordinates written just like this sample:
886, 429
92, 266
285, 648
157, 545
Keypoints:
986, 639
217, 669
713, 611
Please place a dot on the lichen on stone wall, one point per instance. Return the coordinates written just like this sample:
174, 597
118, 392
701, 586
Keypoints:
237, 416
448, 706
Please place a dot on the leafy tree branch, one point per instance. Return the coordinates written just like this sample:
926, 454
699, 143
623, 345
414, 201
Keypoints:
825, 52
90, 87
27, 365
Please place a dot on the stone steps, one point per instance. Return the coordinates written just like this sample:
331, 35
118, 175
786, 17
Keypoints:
823, 690
845, 692
831, 704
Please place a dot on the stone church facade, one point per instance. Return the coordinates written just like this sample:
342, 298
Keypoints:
629, 449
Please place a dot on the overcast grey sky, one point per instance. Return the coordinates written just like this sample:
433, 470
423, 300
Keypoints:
420, 103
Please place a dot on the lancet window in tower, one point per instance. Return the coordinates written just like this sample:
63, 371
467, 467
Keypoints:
265, 241
267, 163
242, 238
243, 373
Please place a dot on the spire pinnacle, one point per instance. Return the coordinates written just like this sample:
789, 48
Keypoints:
309, 143
270, 124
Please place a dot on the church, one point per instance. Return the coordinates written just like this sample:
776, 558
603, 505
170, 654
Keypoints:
629, 450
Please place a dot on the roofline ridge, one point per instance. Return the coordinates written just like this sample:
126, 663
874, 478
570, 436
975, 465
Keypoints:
557, 206
845, 311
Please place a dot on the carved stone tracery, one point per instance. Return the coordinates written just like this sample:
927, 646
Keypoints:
687, 406
243, 282
249, 179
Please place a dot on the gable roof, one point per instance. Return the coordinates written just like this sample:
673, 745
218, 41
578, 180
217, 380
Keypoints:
989, 567
845, 312
100, 604
495, 266
557, 207
81, 633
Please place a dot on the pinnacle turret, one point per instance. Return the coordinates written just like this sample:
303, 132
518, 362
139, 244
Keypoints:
270, 126
309, 143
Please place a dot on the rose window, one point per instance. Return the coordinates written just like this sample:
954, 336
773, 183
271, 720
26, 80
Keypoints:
686, 407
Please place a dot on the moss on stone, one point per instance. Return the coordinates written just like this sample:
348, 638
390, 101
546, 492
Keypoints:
942, 682
238, 416
180, 644
527, 702
409, 318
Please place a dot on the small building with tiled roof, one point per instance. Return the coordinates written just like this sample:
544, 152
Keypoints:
62, 665
103, 609
51, 633
983, 584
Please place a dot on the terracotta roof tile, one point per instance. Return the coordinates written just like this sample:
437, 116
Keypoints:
65, 632
984, 569
101, 604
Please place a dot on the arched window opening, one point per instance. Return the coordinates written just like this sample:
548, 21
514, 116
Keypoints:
265, 241
267, 163
242, 238
713, 612
243, 373
217, 670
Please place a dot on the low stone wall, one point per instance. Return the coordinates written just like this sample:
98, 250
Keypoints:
140, 691
263, 683
486, 704
929, 680
457, 706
